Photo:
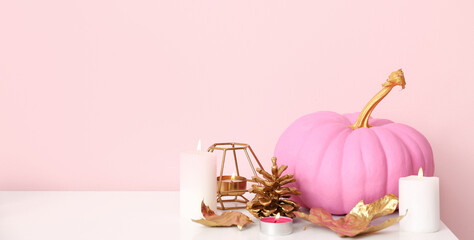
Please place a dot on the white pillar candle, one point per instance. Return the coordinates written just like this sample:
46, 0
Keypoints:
420, 196
197, 182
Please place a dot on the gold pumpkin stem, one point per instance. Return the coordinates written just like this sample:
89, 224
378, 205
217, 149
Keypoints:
395, 78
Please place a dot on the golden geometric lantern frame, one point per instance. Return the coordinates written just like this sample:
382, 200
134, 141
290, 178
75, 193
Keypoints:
239, 192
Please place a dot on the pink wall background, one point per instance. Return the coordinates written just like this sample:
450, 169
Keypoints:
103, 95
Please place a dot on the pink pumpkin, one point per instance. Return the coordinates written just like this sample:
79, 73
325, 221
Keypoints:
339, 160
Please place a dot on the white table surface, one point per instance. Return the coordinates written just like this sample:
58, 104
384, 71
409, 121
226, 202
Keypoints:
70, 215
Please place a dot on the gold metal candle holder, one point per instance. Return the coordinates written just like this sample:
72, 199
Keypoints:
234, 186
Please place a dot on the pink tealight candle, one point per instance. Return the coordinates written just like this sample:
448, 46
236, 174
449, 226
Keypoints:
276, 225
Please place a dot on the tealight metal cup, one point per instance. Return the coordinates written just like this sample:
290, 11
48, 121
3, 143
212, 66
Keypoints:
276, 228
232, 186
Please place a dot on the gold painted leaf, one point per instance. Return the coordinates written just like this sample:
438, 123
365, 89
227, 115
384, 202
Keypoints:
227, 219
357, 221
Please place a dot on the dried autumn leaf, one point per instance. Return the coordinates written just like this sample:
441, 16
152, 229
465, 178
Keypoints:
227, 219
357, 221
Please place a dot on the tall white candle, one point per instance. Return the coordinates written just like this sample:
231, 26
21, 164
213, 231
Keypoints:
420, 196
197, 177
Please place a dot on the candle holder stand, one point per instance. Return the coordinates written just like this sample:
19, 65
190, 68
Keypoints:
235, 186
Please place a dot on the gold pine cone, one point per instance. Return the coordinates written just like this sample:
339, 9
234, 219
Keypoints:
271, 197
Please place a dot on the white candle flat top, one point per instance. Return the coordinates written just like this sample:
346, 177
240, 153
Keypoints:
71, 215
415, 177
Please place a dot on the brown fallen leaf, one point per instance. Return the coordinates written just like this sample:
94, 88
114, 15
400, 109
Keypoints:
357, 221
227, 219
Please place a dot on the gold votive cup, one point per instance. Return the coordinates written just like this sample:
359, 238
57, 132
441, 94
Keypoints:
232, 186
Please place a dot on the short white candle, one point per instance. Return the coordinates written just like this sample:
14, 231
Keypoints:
197, 177
420, 196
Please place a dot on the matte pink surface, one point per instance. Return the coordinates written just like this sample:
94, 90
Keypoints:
103, 95
335, 166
